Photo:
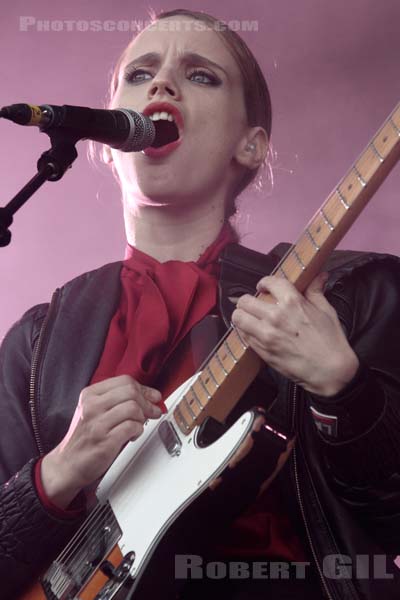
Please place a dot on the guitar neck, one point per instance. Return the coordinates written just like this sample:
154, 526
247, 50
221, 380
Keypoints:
233, 365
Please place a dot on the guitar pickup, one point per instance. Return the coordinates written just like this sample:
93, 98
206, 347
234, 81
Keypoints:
170, 438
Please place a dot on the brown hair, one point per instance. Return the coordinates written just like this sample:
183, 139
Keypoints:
256, 94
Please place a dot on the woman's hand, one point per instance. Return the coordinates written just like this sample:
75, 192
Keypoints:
299, 335
108, 415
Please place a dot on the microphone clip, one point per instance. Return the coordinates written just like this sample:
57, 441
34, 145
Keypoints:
51, 166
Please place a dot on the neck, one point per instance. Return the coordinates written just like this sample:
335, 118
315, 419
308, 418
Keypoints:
171, 233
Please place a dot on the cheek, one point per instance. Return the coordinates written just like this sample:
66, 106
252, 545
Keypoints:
214, 135
221, 123
126, 97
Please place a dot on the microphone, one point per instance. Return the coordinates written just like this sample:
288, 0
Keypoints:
121, 128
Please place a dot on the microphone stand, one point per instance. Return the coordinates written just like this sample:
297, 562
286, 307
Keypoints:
51, 166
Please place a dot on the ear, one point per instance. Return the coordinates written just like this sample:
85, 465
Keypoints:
107, 155
252, 148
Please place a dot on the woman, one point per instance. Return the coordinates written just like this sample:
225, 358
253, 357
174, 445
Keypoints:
106, 335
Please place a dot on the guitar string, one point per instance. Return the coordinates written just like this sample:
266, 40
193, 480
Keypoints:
95, 518
58, 577
88, 535
95, 514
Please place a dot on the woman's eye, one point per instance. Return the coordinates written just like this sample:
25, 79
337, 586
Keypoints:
204, 77
136, 75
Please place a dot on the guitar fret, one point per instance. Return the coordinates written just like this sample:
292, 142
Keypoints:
359, 176
226, 345
393, 124
179, 416
283, 273
312, 240
380, 157
197, 399
220, 363
203, 385
342, 199
245, 346
211, 374
184, 399
325, 218
303, 266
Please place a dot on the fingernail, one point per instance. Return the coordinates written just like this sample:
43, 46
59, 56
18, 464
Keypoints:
154, 394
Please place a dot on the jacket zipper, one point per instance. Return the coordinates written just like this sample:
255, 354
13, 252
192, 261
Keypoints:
33, 379
300, 500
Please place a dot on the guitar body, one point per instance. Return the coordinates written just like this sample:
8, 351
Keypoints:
148, 488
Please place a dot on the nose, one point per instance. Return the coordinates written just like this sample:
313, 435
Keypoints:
164, 84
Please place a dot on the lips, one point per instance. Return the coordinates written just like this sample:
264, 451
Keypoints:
167, 107
178, 118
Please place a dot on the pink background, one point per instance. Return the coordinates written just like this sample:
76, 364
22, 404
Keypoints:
333, 71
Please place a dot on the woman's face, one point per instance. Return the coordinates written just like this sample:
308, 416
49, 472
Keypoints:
206, 89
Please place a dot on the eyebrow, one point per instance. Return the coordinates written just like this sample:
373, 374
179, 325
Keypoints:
187, 57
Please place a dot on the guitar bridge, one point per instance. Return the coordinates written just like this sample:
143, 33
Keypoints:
170, 438
89, 547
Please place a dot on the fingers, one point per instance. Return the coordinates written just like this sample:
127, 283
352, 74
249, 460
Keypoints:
272, 330
113, 391
315, 294
108, 415
249, 324
127, 431
317, 285
260, 320
253, 306
287, 296
107, 385
130, 410
282, 289
128, 393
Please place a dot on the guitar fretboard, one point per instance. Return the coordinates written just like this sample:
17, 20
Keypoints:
233, 365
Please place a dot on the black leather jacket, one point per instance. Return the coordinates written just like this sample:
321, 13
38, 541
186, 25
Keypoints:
345, 491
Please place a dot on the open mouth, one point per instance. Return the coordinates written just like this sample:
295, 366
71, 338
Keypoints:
166, 132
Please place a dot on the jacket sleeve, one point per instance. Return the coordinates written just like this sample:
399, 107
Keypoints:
29, 535
359, 428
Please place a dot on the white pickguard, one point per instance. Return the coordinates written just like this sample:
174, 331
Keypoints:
148, 488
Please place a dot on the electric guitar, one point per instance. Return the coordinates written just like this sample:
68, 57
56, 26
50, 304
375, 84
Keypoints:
157, 477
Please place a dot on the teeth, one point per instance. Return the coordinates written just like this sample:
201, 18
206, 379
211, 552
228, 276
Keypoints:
163, 116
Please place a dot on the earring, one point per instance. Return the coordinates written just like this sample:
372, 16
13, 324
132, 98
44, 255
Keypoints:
251, 147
